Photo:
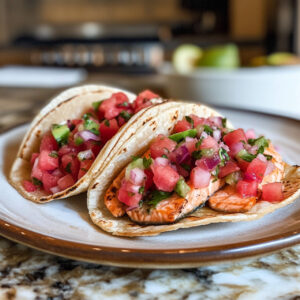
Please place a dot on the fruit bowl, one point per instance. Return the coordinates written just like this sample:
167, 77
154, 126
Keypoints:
274, 90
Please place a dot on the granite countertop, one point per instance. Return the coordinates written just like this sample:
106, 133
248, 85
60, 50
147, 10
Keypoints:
30, 274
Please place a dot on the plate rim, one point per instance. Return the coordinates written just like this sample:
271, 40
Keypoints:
145, 258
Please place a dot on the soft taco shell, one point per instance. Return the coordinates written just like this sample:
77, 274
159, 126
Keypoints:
70, 104
163, 119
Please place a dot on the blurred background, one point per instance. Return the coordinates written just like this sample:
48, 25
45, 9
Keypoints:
223, 52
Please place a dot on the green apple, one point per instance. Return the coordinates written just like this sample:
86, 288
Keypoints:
225, 57
186, 58
282, 58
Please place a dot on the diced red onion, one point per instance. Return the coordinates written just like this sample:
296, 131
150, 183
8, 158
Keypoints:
216, 120
137, 176
181, 171
250, 134
161, 161
204, 135
87, 154
236, 148
174, 167
189, 139
182, 154
253, 149
261, 157
208, 163
55, 189
217, 135
270, 168
250, 177
87, 135
129, 187
57, 173
70, 124
224, 146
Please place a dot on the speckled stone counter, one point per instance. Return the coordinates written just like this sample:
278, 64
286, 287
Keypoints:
30, 274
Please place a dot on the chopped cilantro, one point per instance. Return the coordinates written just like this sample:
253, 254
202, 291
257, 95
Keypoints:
141, 190
243, 154
68, 168
190, 120
198, 144
96, 105
197, 154
224, 122
157, 196
260, 142
125, 115
36, 181
223, 154
164, 156
268, 157
134, 158
84, 169
208, 130
53, 154
124, 104
185, 166
78, 141
106, 122
147, 162
91, 125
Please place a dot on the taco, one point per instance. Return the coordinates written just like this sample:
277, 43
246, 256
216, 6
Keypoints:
195, 170
72, 137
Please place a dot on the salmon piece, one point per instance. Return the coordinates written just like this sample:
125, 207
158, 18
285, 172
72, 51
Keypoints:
166, 211
111, 201
175, 207
229, 201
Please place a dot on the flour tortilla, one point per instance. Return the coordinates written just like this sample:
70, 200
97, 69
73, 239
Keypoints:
164, 118
70, 104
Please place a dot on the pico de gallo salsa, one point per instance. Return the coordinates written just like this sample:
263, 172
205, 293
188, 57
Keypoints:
69, 149
200, 151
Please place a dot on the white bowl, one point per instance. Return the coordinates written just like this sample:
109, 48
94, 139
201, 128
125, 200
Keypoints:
274, 90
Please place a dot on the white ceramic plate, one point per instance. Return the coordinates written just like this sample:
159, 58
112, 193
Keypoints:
63, 227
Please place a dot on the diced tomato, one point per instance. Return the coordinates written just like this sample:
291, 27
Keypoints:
229, 168
77, 121
149, 179
162, 145
70, 164
34, 156
65, 182
65, 149
143, 100
84, 167
200, 178
190, 144
28, 186
48, 162
242, 164
165, 177
250, 134
198, 121
234, 137
235, 149
209, 142
36, 171
110, 106
121, 121
257, 169
182, 125
94, 146
272, 192
48, 143
129, 198
108, 129
247, 188
49, 181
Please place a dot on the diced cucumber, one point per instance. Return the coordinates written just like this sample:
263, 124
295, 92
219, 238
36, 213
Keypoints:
60, 133
177, 137
207, 152
138, 163
232, 178
182, 188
